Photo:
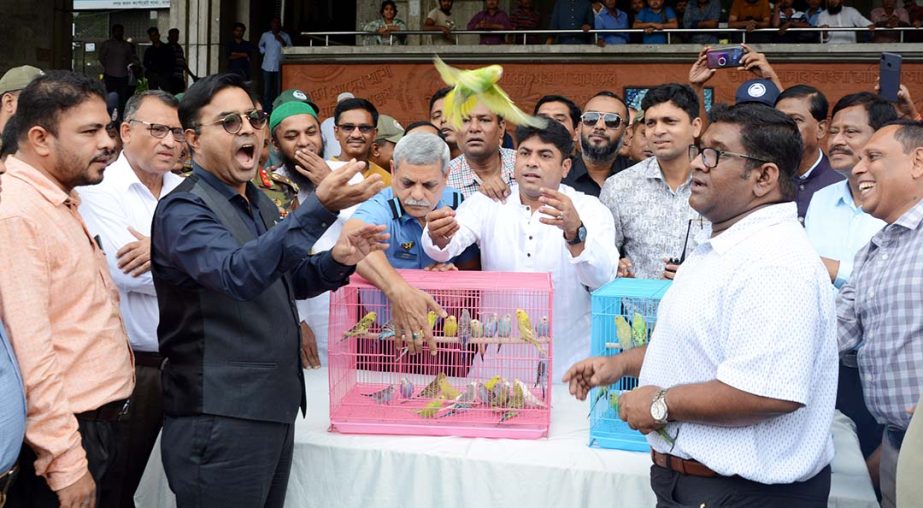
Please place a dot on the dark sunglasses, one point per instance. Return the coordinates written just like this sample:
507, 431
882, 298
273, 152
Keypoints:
233, 122
591, 118
363, 128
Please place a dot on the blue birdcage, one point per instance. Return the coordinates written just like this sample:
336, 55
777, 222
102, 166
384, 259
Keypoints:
624, 315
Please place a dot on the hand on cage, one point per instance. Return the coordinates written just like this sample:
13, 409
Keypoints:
635, 408
353, 246
441, 267
592, 372
409, 309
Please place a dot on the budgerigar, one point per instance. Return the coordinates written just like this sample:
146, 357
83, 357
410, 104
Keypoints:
492, 382
518, 397
601, 393
623, 333
529, 399
430, 409
639, 330
485, 395
463, 401
614, 404
504, 328
543, 327
362, 327
432, 389
464, 328
526, 333
446, 390
507, 415
450, 327
382, 396
479, 85
406, 388
490, 325
502, 393
477, 329
387, 331
541, 375
431, 319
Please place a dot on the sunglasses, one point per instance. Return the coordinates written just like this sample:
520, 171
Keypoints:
591, 118
160, 131
233, 122
363, 128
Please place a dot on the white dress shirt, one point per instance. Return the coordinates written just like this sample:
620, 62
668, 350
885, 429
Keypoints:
512, 239
752, 308
316, 311
108, 209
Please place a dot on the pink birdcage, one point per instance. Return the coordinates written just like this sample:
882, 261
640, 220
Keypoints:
487, 378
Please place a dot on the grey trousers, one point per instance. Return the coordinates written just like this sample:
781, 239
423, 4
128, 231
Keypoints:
887, 471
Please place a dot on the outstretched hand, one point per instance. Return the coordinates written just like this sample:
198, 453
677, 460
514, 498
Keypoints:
353, 246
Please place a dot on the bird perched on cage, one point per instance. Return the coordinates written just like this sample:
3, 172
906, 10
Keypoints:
463, 401
601, 393
432, 389
491, 325
502, 393
446, 390
382, 396
504, 329
526, 333
387, 331
541, 375
639, 330
464, 328
362, 327
623, 333
543, 327
507, 415
477, 329
450, 327
431, 319
528, 398
406, 388
479, 85
430, 409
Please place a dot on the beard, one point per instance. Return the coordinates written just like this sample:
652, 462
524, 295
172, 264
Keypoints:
835, 10
294, 175
601, 153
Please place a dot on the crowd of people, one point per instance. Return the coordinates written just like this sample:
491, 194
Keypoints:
169, 273
654, 16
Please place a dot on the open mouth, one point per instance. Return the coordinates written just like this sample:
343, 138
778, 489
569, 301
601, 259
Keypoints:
865, 187
245, 155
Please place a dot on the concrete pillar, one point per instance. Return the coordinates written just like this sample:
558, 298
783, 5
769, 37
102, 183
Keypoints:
37, 32
199, 22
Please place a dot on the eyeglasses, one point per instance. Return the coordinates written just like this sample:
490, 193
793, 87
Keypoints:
233, 122
591, 118
710, 156
363, 128
160, 131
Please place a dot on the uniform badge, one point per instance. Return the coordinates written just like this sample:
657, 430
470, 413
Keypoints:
408, 245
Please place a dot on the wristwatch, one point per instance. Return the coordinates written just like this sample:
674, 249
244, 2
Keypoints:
579, 238
659, 411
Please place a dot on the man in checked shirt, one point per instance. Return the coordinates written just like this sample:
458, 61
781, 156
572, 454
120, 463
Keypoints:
878, 309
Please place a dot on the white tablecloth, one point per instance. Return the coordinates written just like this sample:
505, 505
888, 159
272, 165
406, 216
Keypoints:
339, 470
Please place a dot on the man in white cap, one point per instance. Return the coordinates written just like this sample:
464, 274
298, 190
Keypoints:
11, 84
331, 145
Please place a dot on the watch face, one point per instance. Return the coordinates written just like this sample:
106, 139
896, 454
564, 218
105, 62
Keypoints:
581, 233
659, 410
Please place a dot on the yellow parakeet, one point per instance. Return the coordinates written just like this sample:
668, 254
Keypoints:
623, 332
479, 85
430, 409
446, 390
526, 332
362, 327
431, 319
450, 327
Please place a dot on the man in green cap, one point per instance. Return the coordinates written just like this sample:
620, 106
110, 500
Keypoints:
11, 84
389, 133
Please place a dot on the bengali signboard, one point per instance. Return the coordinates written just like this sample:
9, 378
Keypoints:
83, 5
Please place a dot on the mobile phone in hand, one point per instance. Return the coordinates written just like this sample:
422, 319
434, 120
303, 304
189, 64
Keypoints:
889, 76
722, 58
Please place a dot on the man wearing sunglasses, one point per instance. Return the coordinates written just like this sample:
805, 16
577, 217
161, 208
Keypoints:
118, 213
355, 122
602, 126
743, 382
227, 271
650, 200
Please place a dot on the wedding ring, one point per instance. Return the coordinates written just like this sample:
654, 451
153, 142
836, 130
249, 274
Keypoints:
418, 335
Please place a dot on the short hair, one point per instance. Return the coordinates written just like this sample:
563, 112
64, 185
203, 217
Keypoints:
766, 134
9, 142
909, 134
421, 149
134, 102
819, 105
381, 9
680, 95
240, 25
879, 110
173, 31
439, 94
152, 30
200, 95
553, 133
116, 26
421, 123
49, 96
572, 108
611, 95
354, 103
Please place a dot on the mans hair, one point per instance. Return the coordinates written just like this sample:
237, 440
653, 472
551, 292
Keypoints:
240, 25
200, 94
49, 96
818, 106
354, 103
611, 95
553, 133
879, 110
135, 101
909, 133
393, 5
572, 108
421, 123
9, 142
152, 30
173, 31
422, 149
118, 26
766, 134
681, 96
439, 94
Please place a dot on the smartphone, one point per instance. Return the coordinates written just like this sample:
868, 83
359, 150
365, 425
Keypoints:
722, 58
889, 76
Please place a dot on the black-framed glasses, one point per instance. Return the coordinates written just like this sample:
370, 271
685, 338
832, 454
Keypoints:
711, 156
160, 131
364, 128
591, 118
233, 122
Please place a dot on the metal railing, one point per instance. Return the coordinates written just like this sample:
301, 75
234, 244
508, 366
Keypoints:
596, 34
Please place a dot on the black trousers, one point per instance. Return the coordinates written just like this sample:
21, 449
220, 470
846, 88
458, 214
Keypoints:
141, 427
676, 490
851, 402
101, 442
216, 461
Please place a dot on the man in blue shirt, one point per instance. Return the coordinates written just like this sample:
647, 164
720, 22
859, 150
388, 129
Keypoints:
571, 15
611, 18
655, 17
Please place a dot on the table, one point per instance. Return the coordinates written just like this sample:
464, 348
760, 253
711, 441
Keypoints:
340, 470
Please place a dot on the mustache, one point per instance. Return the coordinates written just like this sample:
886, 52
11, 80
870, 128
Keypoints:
841, 149
418, 202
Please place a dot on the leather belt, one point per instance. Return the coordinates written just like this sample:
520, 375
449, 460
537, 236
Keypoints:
148, 359
6, 479
111, 412
682, 466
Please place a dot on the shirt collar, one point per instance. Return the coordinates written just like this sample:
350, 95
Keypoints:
807, 175
49, 190
224, 189
911, 218
844, 195
749, 225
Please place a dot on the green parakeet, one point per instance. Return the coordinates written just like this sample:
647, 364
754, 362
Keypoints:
450, 327
623, 333
430, 409
526, 332
639, 330
601, 393
479, 85
362, 327
446, 390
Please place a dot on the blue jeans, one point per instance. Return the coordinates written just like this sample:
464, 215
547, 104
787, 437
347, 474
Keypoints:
270, 89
